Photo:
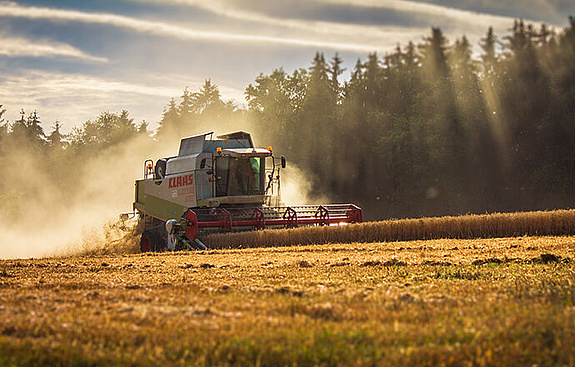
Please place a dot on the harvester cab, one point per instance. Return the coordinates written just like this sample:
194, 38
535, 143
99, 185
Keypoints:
219, 185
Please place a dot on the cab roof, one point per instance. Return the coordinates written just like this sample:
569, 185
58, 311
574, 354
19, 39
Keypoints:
204, 143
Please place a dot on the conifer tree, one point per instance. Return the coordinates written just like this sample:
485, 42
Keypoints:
335, 71
143, 127
3, 126
36, 132
435, 64
207, 97
171, 118
55, 137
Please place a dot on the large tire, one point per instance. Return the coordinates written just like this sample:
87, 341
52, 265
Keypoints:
151, 241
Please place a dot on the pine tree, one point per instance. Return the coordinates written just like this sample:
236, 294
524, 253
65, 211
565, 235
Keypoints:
3, 126
55, 137
19, 130
171, 118
317, 118
2, 112
143, 128
35, 130
124, 127
435, 62
335, 71
208, 97
320, 97
187, 106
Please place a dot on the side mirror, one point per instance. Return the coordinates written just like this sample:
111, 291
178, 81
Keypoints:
284, 162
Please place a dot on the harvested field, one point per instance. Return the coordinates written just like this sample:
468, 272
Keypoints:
503, 301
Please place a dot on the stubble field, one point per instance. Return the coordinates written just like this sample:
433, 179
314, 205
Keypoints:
503, 301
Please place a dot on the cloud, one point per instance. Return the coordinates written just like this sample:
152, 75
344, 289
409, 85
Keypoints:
429, 10
229, 9
10, 9
372, 25
239, 10
454, 21
73, 99
550, 11
21, 47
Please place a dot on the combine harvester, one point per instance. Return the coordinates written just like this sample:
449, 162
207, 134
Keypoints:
220, 185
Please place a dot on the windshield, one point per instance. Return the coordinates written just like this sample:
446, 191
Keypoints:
240, 176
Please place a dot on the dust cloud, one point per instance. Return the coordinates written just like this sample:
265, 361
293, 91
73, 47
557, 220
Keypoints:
65, 210
296, 188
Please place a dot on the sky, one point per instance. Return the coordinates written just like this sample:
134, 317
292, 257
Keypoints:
70, 60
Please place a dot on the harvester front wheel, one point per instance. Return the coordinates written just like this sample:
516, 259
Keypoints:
150, 241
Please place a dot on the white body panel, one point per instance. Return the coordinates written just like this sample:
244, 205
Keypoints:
178, 189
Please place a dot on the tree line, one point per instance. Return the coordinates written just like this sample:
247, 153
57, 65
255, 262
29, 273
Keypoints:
431, 128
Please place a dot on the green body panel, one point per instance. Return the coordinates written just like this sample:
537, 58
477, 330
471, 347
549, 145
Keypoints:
156, 207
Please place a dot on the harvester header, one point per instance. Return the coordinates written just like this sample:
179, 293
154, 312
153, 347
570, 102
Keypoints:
220, 185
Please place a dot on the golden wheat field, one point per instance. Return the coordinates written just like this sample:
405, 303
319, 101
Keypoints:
537, 223
452, 302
